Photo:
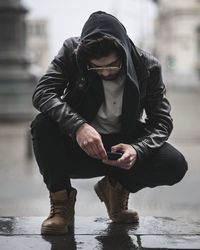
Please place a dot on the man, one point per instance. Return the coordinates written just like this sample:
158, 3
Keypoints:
92, 100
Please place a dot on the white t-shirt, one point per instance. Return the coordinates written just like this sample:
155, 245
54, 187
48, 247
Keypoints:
108, 118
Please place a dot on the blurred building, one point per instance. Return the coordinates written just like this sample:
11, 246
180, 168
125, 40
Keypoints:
177, 41
16, 79
37, 42
23, 58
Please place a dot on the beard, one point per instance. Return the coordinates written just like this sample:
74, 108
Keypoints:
111, 77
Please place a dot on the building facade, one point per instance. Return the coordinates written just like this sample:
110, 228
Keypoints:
177, 42
37, 42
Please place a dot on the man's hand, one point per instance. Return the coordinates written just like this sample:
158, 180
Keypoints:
128, 158
90, 141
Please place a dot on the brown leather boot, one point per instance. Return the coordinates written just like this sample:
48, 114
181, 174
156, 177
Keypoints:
116, 201
61, 216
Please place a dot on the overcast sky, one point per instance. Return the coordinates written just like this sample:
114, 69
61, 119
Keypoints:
66, 18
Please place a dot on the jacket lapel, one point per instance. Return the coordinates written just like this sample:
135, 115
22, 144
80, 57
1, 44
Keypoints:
136, 73
130, 107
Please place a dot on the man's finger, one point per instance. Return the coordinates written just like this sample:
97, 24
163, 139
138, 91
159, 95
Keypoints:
101, 150
124, 157
96, 151
109, 162
118, 147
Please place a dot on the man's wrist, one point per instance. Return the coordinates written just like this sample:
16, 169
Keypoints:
73, 134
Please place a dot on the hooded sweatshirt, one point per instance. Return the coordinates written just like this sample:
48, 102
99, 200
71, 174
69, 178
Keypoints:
108, 118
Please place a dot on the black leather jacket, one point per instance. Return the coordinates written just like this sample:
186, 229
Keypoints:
72, 96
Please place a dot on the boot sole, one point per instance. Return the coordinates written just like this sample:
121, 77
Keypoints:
45, 230
134, 220
56, 231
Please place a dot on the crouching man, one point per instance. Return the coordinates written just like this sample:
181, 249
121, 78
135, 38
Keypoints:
92, 101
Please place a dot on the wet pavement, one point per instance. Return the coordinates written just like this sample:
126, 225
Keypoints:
99, 233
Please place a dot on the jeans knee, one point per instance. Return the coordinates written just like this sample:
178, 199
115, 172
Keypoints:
41, 124
180, 168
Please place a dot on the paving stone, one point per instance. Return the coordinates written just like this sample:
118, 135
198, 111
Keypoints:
170, 242
85, 242
23, 243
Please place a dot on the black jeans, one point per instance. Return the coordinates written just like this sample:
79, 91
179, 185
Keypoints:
59, 159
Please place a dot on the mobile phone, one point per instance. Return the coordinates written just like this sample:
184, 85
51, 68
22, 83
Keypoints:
114, 156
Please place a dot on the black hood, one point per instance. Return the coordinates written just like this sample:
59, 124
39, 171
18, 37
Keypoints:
103, 23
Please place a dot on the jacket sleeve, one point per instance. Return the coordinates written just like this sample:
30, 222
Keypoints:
158, 124
48, 92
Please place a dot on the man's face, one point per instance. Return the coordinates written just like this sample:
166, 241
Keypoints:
108, 67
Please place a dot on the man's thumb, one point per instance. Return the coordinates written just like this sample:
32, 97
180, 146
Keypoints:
116, 148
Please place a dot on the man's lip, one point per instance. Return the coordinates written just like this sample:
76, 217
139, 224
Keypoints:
113, 77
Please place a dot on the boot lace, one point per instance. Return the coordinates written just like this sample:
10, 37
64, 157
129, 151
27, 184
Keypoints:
58, 208
123, 197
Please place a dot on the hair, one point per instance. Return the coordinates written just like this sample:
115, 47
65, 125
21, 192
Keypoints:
97, 47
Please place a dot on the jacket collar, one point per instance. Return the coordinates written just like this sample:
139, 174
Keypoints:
138, 69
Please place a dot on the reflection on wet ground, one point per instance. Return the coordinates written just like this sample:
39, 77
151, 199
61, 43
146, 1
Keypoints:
22, 192
100, 234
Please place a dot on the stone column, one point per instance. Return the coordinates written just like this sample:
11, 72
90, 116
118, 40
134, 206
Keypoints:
16, 81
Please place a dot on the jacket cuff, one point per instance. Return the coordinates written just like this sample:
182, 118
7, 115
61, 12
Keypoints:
72, 134
139, 151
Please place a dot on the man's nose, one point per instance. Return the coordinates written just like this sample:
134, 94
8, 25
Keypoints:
105, 72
